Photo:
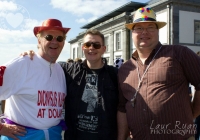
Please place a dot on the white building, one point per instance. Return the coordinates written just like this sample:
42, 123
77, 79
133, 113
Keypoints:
183, 27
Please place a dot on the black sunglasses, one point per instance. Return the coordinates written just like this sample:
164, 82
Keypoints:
58, 38
95, 45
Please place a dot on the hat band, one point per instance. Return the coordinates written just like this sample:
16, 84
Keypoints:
145, 19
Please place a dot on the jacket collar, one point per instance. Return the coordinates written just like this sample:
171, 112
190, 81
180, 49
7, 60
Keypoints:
86, 66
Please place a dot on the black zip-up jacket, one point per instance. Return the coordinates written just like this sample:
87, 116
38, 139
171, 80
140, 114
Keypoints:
107, 86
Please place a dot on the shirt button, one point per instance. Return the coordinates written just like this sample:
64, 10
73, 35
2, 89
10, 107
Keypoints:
144, 109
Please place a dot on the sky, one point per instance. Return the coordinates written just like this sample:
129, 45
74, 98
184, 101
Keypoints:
19, 17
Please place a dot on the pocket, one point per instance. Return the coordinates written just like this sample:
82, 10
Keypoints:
167, 71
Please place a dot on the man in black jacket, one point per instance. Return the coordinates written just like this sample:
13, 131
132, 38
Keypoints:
92, 94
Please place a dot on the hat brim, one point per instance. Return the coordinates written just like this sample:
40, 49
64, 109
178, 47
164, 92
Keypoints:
160, 24
38, 29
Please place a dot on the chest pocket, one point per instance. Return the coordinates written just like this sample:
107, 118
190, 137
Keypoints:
167, 70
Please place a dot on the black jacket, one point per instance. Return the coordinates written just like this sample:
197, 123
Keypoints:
107, 86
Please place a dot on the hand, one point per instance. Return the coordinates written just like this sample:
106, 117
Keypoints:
12, 130
131, 136
31, 53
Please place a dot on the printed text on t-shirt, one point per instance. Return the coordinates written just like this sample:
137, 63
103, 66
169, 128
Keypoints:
52, 102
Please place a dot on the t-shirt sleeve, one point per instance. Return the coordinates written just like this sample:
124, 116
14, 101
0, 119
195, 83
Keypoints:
12, 77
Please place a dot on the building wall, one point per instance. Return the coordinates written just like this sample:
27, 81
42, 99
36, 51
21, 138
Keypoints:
74, 46
179, 15
186, 27
187, 15
110, 29
163, 32
194, 48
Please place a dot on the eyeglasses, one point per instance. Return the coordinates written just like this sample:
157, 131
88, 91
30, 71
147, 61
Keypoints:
58, 38
95, 45
140, 29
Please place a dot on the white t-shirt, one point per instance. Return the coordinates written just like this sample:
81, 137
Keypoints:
35, 91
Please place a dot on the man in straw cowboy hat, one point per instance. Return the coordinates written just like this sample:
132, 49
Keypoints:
35, 90
153, 84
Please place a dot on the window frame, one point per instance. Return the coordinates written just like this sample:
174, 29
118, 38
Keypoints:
106, 43
197, 32
118, 40
74, 52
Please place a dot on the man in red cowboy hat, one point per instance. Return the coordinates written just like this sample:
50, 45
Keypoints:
92, 93
53, 39
153, 84
35, 90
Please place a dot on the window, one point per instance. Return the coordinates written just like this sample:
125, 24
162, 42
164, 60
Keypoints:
118, 56
197, 32
74, 53
107, 43
118, 41
82, 50
79, 51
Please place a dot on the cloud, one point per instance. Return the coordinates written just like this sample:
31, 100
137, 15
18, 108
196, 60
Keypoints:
31, 23
7, 6
23, 31
17, 40
14, 40
18, 36
81, 8
21, 41
87, 11
83, 20
92, 18
14, 50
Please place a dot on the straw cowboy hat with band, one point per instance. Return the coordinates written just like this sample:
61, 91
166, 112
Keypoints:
143, 15
50, 24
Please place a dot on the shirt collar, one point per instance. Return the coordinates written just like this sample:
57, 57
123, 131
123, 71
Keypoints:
135, 55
